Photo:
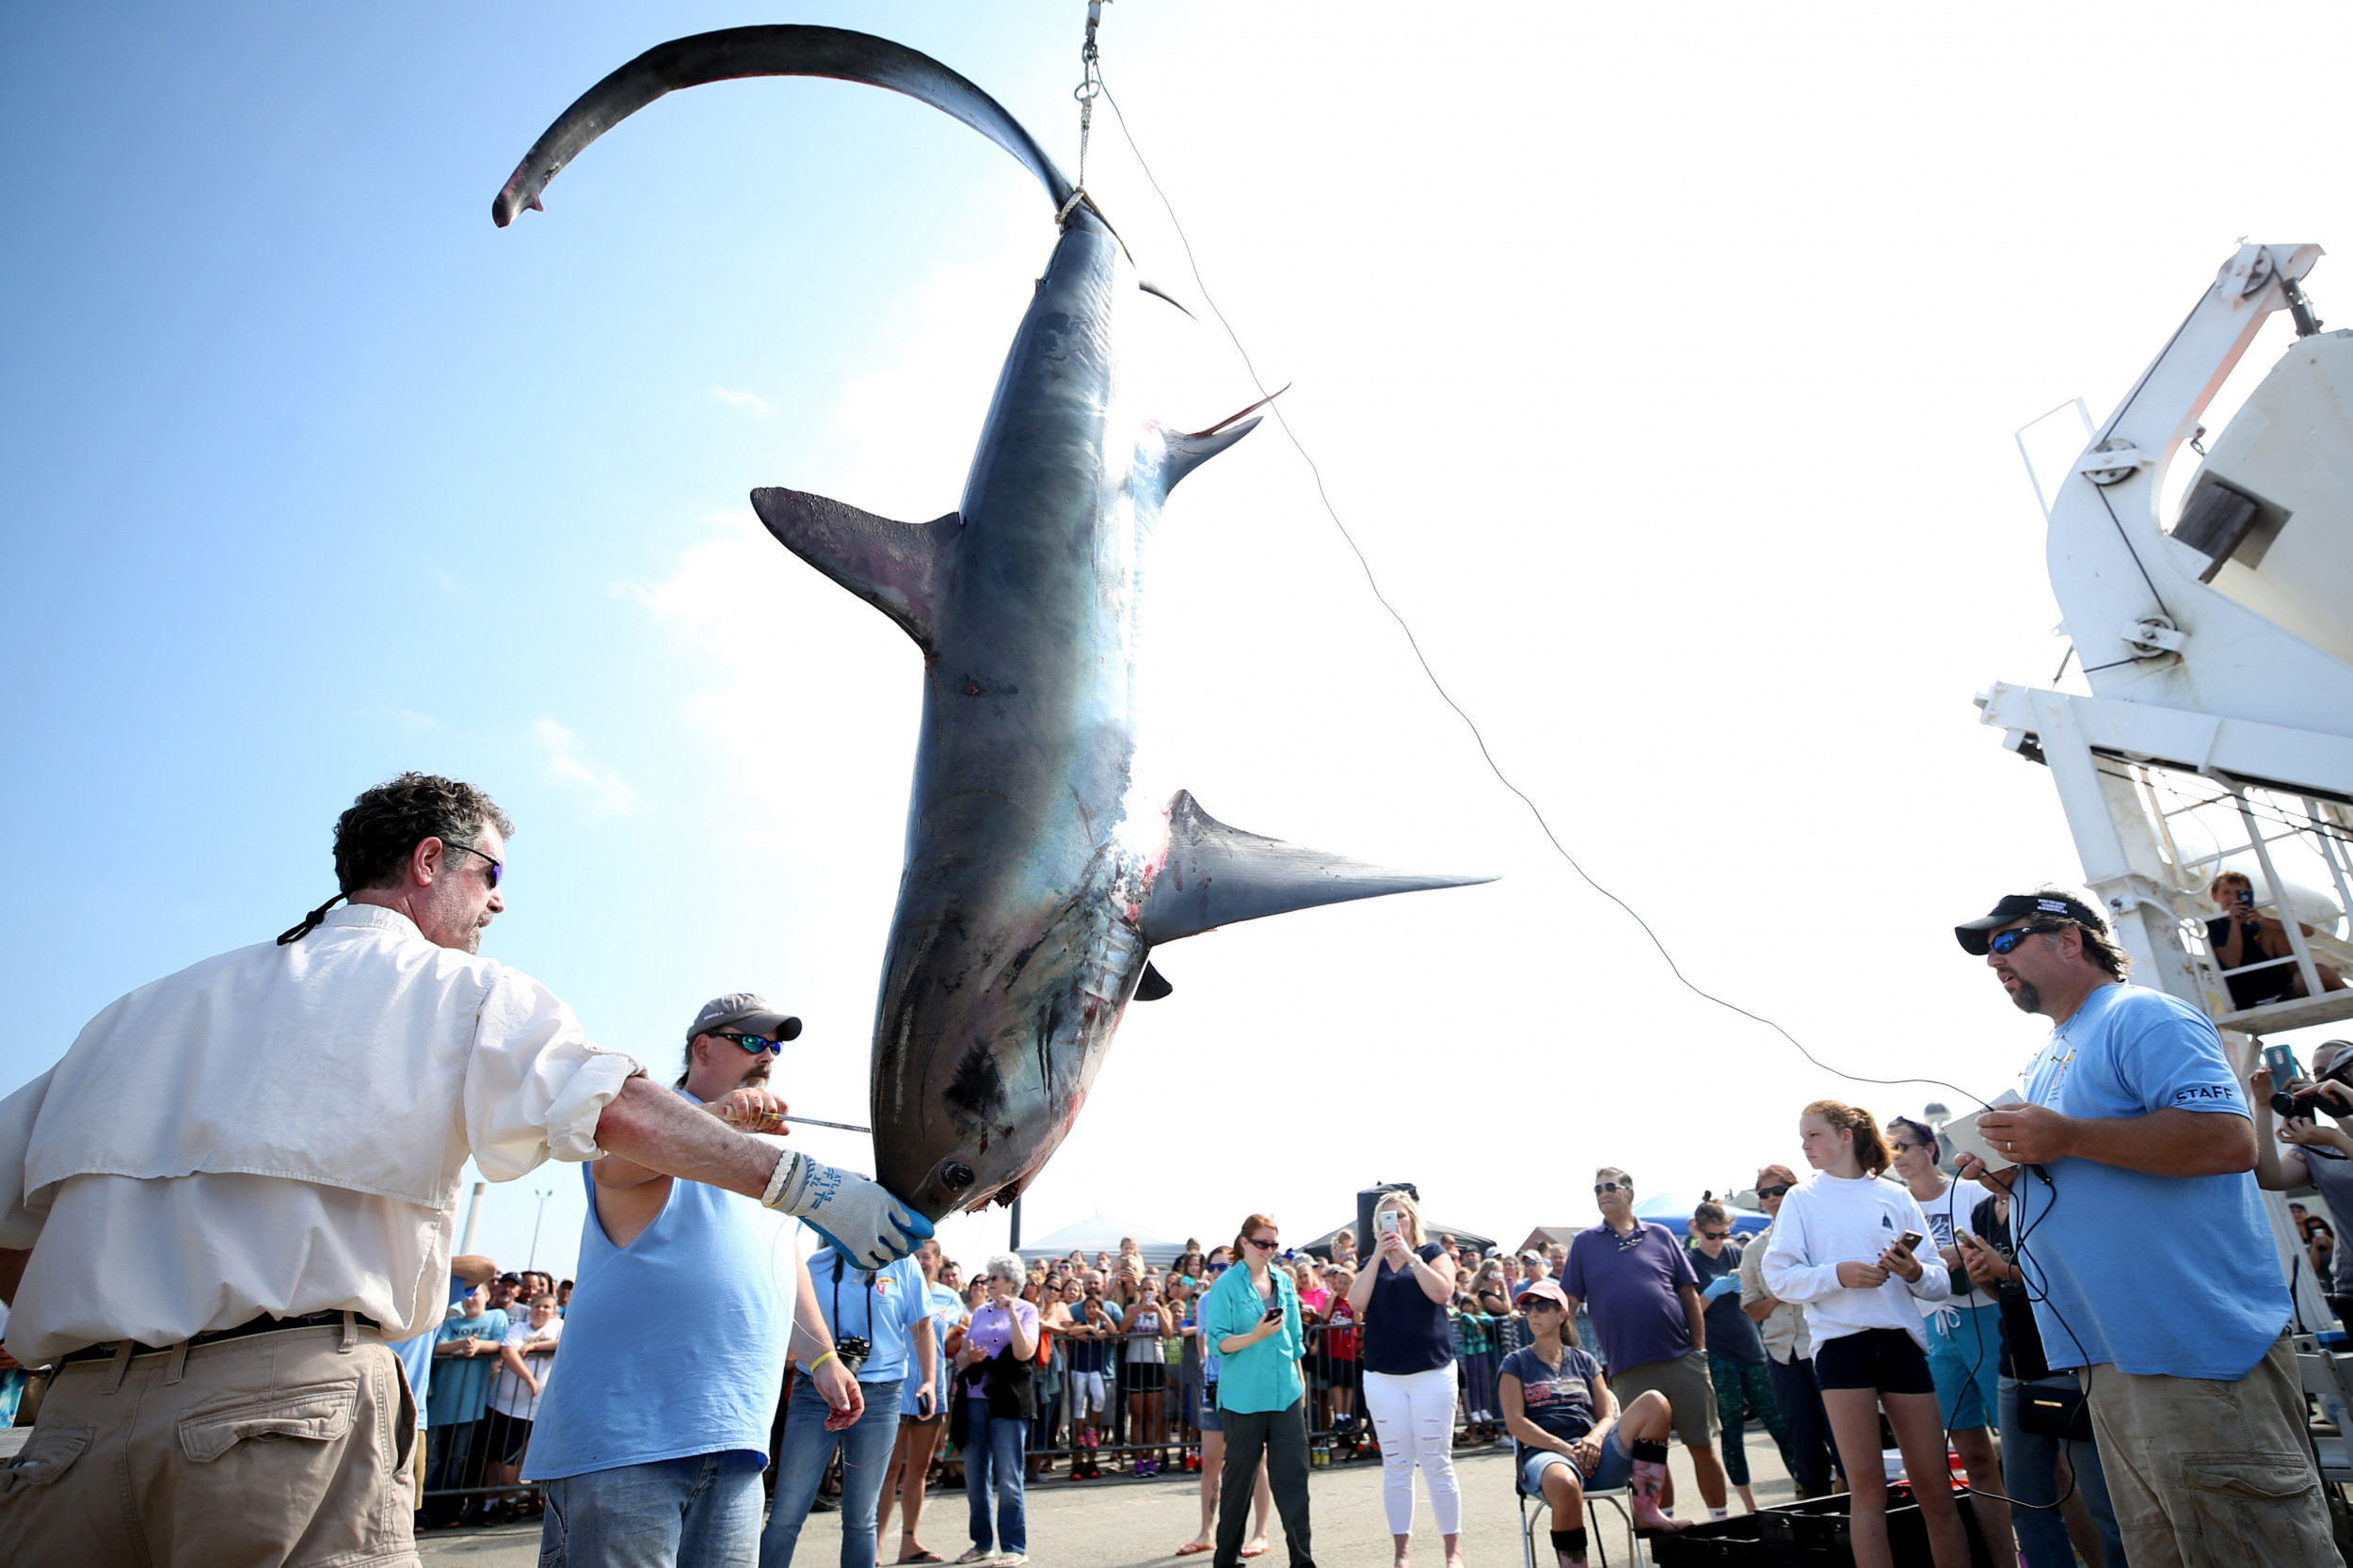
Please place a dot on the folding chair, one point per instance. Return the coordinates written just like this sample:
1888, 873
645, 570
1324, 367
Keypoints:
2319, 1373
1535, 1509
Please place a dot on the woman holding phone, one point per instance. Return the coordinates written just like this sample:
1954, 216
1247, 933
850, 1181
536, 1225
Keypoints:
1144, 1378
1843, 1248
1253, 1318
1403, 1298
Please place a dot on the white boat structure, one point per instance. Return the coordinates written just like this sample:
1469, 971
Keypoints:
2217, 643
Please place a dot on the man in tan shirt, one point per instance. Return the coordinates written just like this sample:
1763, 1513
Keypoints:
242, 1180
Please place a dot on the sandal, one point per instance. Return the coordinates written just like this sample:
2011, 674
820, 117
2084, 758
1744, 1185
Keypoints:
1190, 1548
924, 1557
922, 1554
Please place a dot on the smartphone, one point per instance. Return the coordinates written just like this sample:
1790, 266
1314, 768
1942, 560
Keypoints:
1908, 1240
1273, 1314
2281, 1061
2247, 898
1388, 1222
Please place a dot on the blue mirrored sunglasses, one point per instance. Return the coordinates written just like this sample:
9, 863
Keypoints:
753, 1043
2005, 942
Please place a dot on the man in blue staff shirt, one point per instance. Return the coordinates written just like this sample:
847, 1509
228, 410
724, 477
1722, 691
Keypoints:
2134, 1127
888, 1313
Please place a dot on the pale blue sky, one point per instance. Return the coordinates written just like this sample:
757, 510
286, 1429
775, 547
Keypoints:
1665, 362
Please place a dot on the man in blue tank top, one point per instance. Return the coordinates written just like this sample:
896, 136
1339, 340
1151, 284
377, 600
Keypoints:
650, 1443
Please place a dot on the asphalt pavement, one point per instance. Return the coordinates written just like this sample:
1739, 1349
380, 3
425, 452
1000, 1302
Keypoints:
1127, 1523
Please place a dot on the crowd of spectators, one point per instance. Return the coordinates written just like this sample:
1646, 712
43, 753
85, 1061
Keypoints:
2103, 1399
1696, 1338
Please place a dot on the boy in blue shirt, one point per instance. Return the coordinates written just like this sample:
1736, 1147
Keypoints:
2134, 1125
466, 1353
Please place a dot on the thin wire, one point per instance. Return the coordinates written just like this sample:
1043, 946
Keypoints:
1439, 686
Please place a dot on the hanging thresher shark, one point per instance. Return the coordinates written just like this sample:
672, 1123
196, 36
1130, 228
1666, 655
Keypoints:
1039, 875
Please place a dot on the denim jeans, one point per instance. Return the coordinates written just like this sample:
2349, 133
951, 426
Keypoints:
801, 1464
993, 1457
1811, 1452
702, 1509
2030, 1470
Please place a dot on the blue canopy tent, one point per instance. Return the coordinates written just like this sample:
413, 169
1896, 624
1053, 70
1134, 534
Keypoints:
1674, 1211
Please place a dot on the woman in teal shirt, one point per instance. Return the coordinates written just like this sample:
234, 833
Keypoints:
1252, 1316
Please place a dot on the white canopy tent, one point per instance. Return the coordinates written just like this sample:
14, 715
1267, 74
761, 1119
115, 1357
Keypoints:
1100, 1232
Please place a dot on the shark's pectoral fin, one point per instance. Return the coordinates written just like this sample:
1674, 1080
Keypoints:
895, 566
1215, 875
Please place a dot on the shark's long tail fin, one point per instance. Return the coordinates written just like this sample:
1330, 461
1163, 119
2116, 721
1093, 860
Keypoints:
778, 50
1215, 875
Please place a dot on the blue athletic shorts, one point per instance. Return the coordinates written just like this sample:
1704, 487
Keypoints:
1965, 1358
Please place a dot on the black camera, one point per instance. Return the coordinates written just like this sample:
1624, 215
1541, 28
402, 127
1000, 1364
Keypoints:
853, 1352
2308, 1107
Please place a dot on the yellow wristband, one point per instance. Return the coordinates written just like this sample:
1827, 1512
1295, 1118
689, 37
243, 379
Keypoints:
829, 1356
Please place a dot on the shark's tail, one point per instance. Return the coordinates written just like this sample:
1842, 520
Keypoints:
780, 50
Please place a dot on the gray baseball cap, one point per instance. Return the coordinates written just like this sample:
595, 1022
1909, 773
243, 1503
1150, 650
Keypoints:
745, 1013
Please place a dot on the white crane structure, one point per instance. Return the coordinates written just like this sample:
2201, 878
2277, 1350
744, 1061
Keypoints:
2218, 647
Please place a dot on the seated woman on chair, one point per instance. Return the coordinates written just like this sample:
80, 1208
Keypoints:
1571, 1433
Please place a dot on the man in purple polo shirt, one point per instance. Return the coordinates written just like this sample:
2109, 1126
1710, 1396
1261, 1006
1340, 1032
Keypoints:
1636, 1282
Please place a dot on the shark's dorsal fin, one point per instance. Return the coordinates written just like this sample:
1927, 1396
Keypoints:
1215, 875
892, 565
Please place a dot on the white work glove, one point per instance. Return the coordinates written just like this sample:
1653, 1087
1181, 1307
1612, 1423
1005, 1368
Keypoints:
862, 1220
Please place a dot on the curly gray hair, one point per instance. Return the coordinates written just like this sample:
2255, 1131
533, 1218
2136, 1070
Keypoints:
1005, 1265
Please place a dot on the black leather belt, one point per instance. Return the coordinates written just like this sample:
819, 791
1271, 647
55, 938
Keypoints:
263, 1325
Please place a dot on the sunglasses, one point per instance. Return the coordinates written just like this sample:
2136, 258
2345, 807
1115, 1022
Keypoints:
498, 868
2006, 942
1778, 1189
1714, 1234
1607, 1187
1270, 1243
752, 1043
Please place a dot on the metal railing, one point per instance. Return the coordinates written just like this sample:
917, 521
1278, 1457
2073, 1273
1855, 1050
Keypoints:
1134, 1422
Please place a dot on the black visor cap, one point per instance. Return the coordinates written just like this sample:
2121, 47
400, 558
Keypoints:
1976, 936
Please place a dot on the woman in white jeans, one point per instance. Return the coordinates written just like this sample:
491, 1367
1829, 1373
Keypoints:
1401, 1300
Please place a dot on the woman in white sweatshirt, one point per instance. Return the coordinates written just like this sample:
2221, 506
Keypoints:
1842, 1248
